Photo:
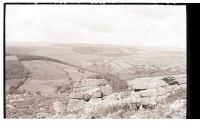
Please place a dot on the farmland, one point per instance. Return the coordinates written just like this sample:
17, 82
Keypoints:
61, 73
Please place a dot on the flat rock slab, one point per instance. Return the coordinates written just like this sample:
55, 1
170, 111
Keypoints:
153, 92
146, 83
160, 91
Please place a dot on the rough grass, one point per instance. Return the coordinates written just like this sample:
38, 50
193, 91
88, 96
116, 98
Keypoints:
30, 107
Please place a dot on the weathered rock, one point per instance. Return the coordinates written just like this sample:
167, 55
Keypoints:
103, 107
148, 103
176, 105
172, 88
92, 93
124, 95
76, 95
133, 102
170, 80
86, 97
113, 96
75, 105
153, 92
77, 85
21, 99
76, 89
90, 107
107, 90
115, 115
160, 98
183, 86
82, 89
96, 100
90, 82
9, 106
146, 83
97, 94
176, 79
72, 116
181, 79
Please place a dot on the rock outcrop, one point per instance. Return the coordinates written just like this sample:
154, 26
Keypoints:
86, 90
93, 98
146, 83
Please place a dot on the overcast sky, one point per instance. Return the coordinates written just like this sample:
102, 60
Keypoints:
145, 25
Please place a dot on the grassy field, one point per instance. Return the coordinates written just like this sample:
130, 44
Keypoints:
116, 64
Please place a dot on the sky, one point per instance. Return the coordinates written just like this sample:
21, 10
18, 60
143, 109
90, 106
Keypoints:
137, 25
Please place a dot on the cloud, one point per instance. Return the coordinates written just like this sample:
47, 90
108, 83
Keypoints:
147, 25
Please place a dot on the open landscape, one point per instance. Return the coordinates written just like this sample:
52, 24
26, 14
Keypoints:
94, 61
94, 81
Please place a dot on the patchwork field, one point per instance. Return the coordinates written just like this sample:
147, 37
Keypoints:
84, 74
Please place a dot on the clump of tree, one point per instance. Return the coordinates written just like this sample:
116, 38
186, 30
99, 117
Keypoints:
81, 70
15, 70
14, 90
38, 93
25, 57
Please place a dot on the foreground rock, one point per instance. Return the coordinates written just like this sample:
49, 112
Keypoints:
93, 98
86, 90
146, 83
139, 84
